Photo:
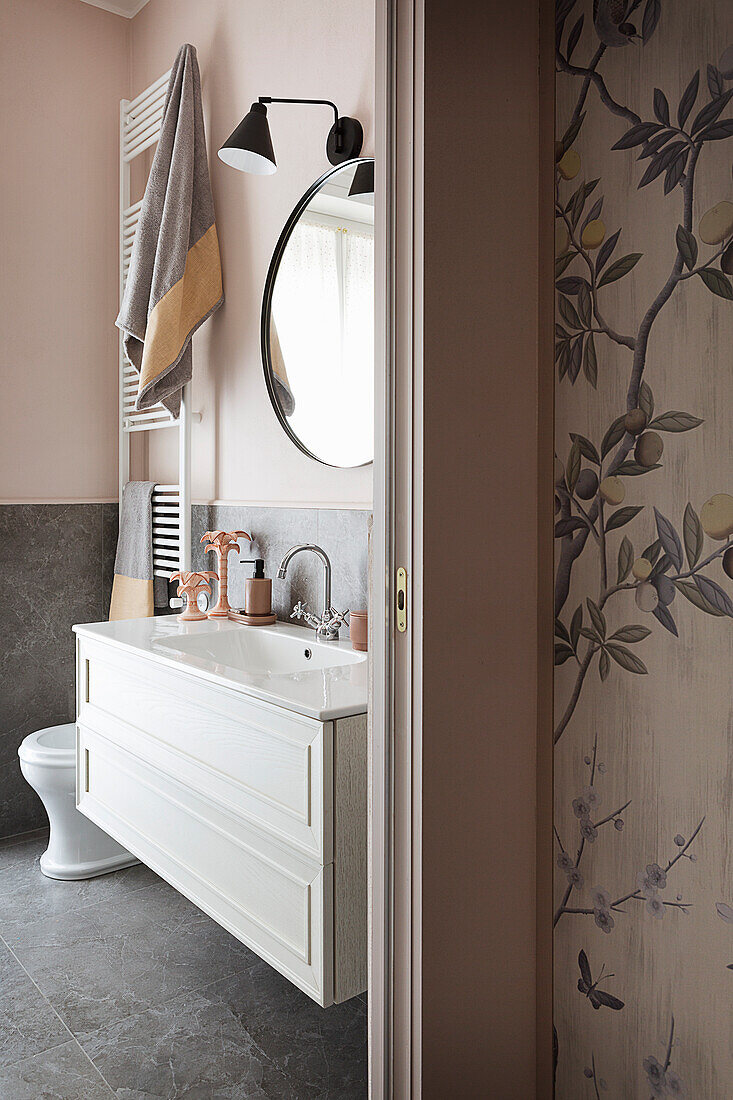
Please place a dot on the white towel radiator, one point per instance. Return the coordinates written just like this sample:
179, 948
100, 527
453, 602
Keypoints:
140, 121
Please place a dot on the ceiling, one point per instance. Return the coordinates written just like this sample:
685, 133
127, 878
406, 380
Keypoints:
128, 8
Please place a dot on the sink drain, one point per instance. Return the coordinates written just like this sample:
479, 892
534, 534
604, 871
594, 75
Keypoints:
307, 653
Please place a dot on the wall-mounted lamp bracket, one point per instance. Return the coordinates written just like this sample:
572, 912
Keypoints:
346, 136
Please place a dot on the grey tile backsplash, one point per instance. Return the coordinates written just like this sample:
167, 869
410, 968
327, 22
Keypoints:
341, 532
59, 560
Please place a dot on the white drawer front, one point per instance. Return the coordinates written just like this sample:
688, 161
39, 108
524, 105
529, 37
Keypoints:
269, 764
276, 901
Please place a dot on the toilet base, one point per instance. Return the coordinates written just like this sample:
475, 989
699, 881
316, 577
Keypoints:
91, 869
77, 848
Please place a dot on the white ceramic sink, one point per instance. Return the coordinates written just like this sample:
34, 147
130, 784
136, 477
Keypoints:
264, 650
282, 664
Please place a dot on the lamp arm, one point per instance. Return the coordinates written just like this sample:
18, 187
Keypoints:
325, 102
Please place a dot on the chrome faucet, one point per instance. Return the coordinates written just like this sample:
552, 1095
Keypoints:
330, 621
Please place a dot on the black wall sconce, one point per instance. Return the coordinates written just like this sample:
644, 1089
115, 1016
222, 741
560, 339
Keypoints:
363, 181
249, 147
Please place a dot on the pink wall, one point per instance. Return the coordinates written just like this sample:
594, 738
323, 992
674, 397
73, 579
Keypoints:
246, 49
64, 67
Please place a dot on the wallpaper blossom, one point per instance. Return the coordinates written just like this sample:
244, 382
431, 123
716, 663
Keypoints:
644, 549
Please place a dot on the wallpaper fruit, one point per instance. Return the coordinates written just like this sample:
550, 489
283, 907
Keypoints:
644, 549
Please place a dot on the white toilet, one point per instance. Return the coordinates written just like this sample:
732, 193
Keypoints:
76, 847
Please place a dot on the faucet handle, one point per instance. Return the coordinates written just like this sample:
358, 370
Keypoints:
338, 618
300, 611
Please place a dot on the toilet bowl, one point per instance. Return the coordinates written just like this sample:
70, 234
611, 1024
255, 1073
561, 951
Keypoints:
76, 847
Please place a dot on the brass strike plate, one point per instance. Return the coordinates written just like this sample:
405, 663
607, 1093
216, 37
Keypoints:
401, 600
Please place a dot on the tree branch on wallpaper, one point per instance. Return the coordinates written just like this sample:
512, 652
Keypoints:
590, 486
650, 882
591, 1073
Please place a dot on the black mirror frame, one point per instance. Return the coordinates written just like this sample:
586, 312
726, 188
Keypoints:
266, 314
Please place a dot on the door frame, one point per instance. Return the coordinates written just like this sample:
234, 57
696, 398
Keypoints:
395, 888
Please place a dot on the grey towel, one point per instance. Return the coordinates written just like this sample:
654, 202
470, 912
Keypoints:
135, 592
174, 281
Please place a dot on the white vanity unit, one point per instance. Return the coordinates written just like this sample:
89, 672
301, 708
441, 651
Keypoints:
232, 760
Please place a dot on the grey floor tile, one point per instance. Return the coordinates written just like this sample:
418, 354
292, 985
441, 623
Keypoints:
25, 890
21, 838
192, 1046
64, 1073
165, 1002
323, 1050
101, 963
28, 1024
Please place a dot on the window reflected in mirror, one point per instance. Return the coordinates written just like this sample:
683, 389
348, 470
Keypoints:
319, 352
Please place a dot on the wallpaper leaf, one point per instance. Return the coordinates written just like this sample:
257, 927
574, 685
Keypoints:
571, 284
661, 106
715, 81
669, 539
596, 617
605, 251
646, 399
626, 659
619, 268
570, 134
652, 12
573, 468
687, 102
687, 245
675, 422
586, 448
692, 592
719, 131
637, 135
717, 281
661, 161
625, 559
568, 312
564, 261
710, 112
630, 634
664, 616
622, 516
655, 144
675, 172
567, 526
693, 536
590, 361
634, 469
562, 653
613, 436
575, 36
575, 626
714, 594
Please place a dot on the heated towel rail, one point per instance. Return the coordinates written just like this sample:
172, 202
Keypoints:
140, 121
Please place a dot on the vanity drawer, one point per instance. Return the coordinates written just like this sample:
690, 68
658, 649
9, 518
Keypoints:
273, 899
262, 762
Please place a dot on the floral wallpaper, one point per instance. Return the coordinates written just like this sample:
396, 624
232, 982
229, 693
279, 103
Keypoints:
644, 550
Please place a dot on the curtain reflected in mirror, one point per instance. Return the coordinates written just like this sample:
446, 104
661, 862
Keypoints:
319, 353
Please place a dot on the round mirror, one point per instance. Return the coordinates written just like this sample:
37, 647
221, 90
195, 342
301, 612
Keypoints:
318, 319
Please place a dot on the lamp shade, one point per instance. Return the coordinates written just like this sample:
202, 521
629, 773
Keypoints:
249, 147
363, 181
